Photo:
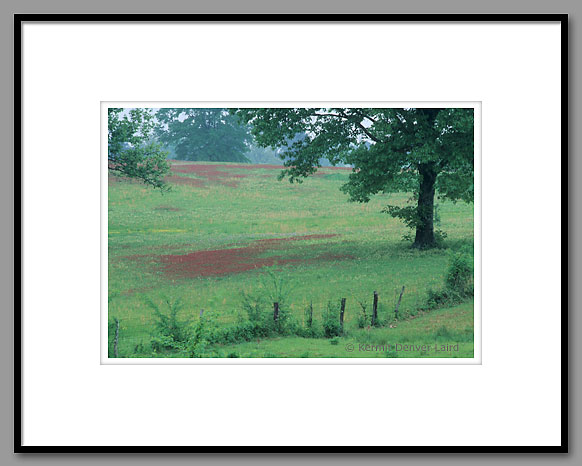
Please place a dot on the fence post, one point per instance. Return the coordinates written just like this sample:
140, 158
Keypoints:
375, 309
201, 312
343, 308
398, 304
275, 311
116, 337
310, 321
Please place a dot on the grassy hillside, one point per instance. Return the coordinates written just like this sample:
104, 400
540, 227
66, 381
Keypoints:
226, 229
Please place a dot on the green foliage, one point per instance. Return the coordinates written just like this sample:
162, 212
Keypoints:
309, 315
272, 288
276, 288
259, 321
381, 319
170, 332
423, 330
460, 274
203, 134
131, 151
363, 317
331, 325
458, 285
198, 340
408, 214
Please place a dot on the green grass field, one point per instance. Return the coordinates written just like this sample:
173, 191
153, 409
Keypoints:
225, 229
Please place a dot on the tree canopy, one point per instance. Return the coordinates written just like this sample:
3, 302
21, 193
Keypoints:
203, 134
416, 150
132, 153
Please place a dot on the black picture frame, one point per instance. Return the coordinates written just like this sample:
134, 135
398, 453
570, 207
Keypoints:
19, 19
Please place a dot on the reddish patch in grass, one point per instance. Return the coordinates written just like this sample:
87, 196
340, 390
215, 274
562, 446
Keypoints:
219, 262
184, 180
338, 168
279, 167
222, 174
294, 238
235, 260
218, 174
258, 166
229, 261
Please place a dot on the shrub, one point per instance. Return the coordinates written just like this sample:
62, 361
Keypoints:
380, 320
198, 342
259, 306
254, 306
363, 318
308, 315
459, 276
440, 298
309, 332
458, 284
170, 333
331, 326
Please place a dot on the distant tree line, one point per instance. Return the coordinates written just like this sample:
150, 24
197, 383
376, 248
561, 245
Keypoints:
203, 134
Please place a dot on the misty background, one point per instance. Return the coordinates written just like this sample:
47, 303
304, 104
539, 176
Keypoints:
212, 135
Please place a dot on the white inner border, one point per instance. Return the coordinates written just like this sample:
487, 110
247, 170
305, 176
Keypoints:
512, 398
105, 359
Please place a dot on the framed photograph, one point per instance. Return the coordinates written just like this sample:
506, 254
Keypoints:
280, 226
221, 259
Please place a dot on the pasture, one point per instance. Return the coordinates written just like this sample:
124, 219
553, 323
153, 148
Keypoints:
226, 230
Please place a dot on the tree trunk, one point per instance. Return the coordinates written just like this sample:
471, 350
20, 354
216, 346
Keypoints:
425, 227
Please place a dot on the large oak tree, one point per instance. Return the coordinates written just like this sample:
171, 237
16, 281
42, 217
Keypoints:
418, 150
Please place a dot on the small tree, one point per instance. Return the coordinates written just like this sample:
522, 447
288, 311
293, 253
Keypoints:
132, 153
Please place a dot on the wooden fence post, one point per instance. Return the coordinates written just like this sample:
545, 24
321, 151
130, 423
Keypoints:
342, 310
398, 304
310, 321
375, 309
116, 337
275, 311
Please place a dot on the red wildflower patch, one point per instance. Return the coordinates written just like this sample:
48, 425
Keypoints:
235, 260
222, 174
184, 180
258, 166
294, 238
218, 262
219, 174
